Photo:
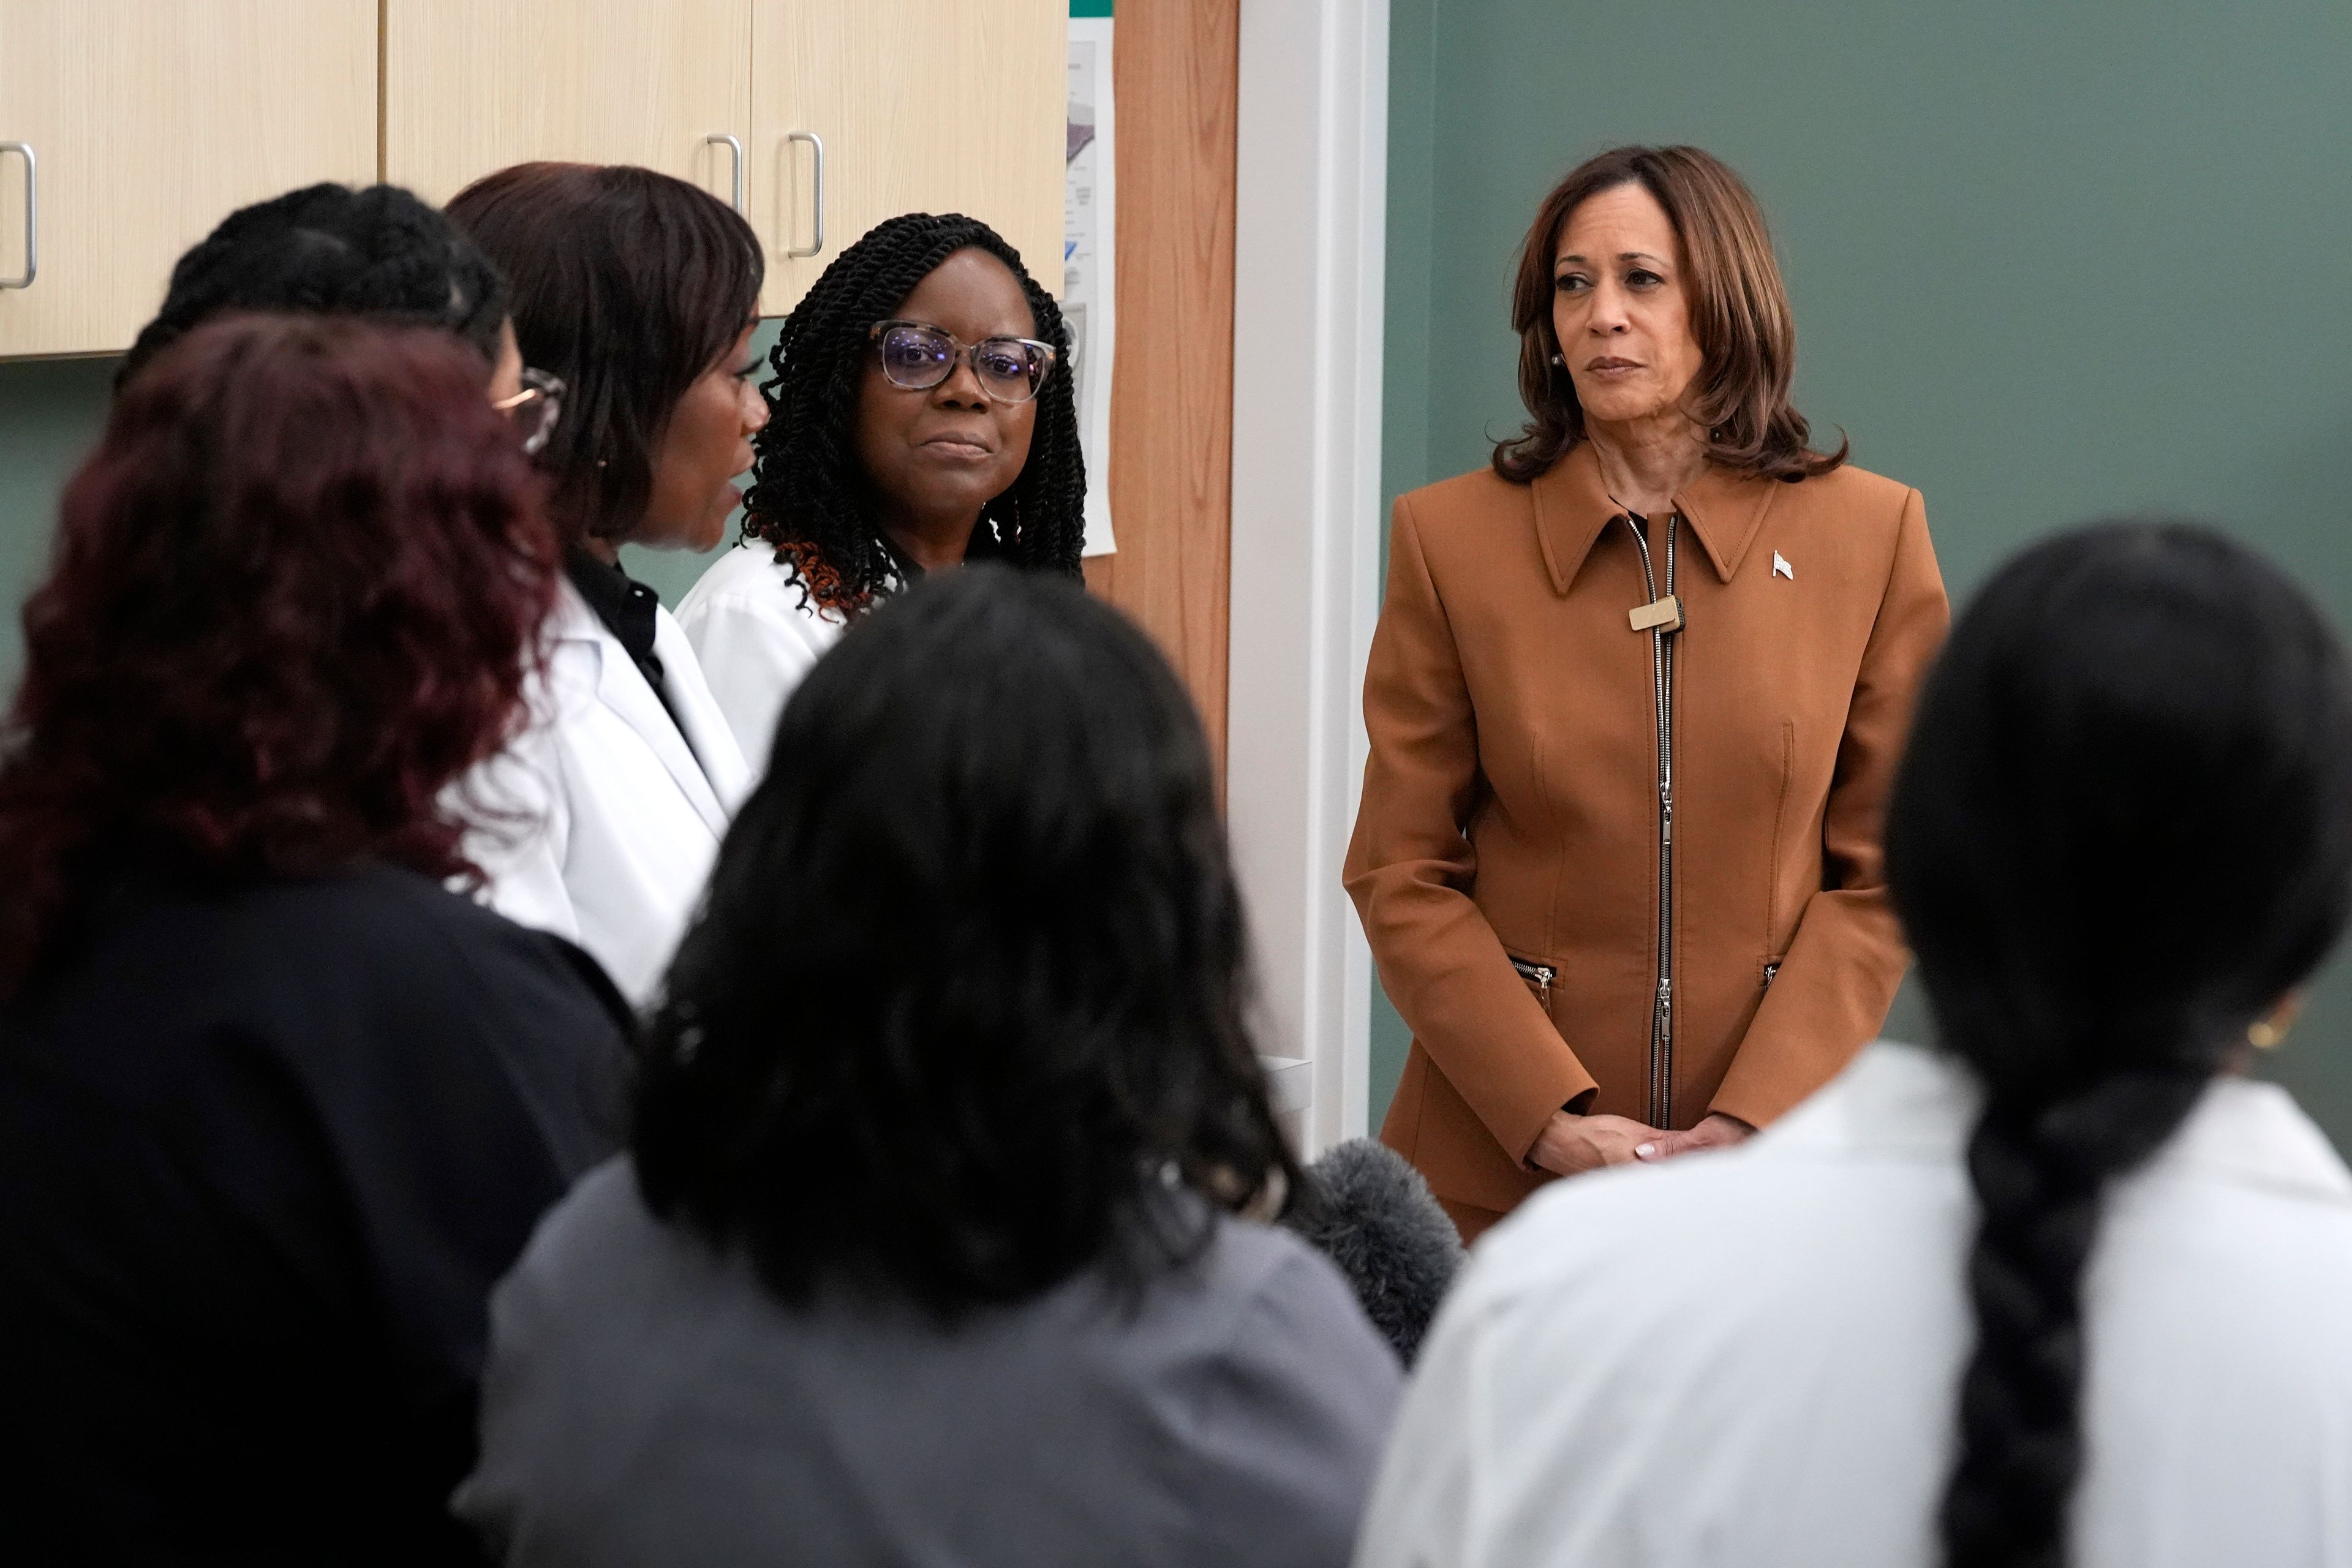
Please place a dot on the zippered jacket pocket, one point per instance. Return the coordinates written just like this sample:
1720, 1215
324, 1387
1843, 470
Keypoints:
1539, 977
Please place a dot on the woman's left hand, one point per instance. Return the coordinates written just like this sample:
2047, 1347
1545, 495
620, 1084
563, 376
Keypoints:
1717, 1131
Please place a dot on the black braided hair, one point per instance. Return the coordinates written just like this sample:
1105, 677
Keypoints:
2122, 832
808, 495
333, 250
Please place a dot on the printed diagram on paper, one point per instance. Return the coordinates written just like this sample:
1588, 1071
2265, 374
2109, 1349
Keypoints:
1088, 270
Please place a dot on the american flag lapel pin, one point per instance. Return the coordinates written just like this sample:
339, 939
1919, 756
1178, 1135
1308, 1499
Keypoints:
1781, 567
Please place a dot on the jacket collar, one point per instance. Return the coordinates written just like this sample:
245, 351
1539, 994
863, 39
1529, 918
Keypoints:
621, 687
1572, 506
1908, 1102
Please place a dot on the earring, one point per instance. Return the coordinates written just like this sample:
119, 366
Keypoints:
1557, 360
2269, 1032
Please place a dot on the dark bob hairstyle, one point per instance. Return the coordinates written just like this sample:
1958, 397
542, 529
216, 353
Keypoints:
290, 600
628, 284
808, 495
964, 1013
1739, 313
376, 252
2123, 831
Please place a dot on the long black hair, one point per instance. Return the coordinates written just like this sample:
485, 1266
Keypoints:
331, 250
808, 494
2122, 831
964, 1009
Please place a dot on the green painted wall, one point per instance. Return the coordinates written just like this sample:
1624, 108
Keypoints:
2050, 262
50, 413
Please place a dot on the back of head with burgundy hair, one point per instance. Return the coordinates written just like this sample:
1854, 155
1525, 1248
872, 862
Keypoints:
289, 602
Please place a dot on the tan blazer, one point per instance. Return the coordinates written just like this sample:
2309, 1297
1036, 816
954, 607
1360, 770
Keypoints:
1514, 840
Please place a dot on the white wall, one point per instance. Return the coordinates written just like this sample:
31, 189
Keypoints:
1309, 241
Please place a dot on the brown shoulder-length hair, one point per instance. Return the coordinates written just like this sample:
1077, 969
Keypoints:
629, 284
1739, 312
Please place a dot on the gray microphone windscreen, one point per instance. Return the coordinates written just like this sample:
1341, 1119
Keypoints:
1371, 1213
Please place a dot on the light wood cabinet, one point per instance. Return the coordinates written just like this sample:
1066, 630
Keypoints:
149, 123
471, 86
151, 120
920, 106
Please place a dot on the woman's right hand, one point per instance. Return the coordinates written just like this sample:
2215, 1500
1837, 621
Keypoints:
1570, 1145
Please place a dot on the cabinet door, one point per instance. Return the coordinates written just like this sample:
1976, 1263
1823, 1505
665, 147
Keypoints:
150, 124
922, 106
470, 86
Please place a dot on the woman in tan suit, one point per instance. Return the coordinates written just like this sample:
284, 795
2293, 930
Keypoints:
1635, 702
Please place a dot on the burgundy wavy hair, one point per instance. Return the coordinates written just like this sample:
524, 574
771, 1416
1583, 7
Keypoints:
294, 595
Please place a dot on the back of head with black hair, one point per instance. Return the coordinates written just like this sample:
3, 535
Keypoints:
808, 493
329, 250
2122, 832
964, 1006
629, 284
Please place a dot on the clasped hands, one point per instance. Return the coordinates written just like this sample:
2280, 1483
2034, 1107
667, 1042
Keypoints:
1570, 1145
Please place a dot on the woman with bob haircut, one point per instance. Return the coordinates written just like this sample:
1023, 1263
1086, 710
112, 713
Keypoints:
926, 1250
1636, 699
925, 415
277, 1108
2067, 1290
637, 291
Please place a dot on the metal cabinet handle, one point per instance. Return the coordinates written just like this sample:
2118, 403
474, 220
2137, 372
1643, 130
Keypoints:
816, 185
32, 217
736, 148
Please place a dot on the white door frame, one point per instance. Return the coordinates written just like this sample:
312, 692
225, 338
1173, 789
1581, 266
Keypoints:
1309, 249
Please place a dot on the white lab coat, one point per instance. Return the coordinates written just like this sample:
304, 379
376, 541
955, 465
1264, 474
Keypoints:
601, 823
756, 636
1751, 1357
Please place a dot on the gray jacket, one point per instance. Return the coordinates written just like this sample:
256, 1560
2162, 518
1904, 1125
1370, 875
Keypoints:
648, 1402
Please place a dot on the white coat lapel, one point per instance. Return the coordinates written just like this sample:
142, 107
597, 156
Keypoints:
622, 688
698, 713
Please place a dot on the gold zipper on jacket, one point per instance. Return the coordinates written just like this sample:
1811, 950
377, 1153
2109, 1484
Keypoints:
1661, 678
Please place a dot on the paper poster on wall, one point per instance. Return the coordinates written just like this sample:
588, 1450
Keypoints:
1090, 274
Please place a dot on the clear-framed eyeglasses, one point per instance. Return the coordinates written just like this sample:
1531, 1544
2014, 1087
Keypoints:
918, 356
535, 409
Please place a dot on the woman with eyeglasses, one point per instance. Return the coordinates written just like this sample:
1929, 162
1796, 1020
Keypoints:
923, 416
637, 294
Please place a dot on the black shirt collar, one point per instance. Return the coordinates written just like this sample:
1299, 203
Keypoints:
625, 605
983, 545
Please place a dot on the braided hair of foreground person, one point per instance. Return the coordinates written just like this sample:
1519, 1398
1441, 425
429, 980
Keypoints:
2122, 834
290, 600
807, 493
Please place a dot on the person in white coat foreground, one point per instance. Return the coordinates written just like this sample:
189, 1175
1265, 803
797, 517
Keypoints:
2070, 1289
639, 291
924, 415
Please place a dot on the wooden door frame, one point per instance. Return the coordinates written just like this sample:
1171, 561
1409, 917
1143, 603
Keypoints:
1309, 257
1170, 459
